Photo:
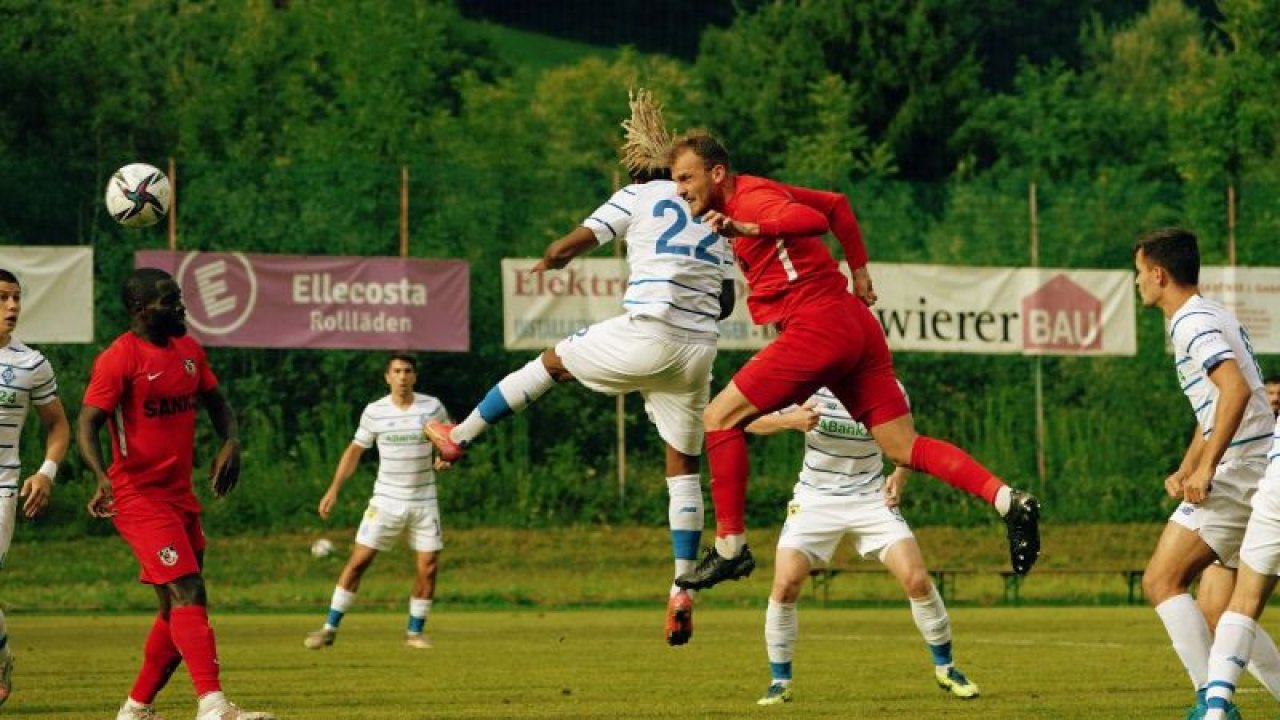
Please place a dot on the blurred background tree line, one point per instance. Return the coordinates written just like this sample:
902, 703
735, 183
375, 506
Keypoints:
290, 121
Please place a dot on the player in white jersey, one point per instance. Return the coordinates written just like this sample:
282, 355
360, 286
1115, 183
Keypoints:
663, 346
842, 491
1226, 457
26, 380
404, 498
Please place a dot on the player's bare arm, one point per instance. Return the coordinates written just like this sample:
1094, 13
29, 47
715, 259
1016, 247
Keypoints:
38, 488
346, 468
225, 472
88, 425
1233, 396
559, 253
894, 485
800, 419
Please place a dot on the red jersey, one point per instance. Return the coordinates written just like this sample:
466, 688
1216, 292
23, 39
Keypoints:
151, 395
789, 261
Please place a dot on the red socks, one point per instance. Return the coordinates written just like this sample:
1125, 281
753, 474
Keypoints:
159, 659
952, 466
727, 458
194, 639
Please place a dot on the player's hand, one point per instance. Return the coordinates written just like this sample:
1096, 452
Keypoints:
103, 503
862, 286
726, 226
1173, 483
37, 490
805, 418
894, 486
441, 464
326, 504
546, 264
1199, 483
225, 472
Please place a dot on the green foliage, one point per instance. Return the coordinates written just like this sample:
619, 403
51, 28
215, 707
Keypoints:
290, 129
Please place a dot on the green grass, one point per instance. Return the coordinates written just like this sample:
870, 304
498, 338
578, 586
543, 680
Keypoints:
1029, 662
598, 566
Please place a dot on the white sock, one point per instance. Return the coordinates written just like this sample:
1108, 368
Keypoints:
1264, 661
781, 628
728, 546
212, 701
1227, 659
131, 704
339, 604
1189, 632
512, 394
1004, 498
932, 620
419, 609
685, 517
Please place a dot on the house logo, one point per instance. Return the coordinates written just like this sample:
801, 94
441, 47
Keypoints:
1061, 317
219, 290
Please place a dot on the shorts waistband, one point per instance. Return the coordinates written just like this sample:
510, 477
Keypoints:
667, 331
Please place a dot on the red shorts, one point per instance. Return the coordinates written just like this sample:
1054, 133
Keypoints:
835, 343
167, 540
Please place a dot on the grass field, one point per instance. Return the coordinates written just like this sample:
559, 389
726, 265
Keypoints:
850, 663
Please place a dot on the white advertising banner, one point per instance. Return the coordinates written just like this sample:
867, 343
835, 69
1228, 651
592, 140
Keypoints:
57, 291
1253, 294
932, 308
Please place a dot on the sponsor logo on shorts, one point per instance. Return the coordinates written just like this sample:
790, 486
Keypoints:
792, 508
189, 365
1186, 508
168, 556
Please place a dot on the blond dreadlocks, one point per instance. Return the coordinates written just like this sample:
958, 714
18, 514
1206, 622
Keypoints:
644, 153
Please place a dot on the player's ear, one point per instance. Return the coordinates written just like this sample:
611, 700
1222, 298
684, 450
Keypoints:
718, 173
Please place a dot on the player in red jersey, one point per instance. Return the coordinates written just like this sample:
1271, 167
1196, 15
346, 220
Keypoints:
826, 337
146, 387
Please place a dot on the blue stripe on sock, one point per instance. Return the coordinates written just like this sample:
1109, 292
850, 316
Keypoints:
493, 407
684, 544
1218, 703
1221, 684
335, 617
416, 624
941, 653
780, 671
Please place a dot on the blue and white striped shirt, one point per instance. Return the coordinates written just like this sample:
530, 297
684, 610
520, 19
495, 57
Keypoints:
406, 458
26, 379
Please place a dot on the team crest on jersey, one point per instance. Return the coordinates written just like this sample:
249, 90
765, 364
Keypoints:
168, 556
7, 375
189, 365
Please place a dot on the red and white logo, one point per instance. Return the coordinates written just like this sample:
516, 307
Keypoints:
1061, 316
168, 556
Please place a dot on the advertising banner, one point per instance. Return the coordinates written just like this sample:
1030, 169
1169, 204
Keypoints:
932, 308
1253, 294
298, 301
57, 292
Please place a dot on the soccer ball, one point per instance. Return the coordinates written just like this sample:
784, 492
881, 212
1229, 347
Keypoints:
137, 195
322, 548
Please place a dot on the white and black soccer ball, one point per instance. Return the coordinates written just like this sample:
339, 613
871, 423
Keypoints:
322, 548
137, 195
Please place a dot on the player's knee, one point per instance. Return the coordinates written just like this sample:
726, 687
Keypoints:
187, 590
918, 584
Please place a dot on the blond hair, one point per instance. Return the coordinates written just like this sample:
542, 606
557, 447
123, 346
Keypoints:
646, 150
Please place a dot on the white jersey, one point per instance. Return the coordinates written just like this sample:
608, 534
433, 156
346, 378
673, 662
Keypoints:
677, 264
1204, 333
26, 379
840, 458
406, 457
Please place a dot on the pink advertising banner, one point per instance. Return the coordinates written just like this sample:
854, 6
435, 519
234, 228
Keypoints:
302, 301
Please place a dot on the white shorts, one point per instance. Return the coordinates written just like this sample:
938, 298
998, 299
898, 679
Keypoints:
1261, 547
385, 519
816, 523
8, 518
669, 367
1221, 519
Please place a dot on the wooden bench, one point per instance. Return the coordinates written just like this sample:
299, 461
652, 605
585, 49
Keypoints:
1013, 581
945, 579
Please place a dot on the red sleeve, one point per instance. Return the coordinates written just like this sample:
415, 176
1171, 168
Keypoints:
835, 207
208, 381
777, 215
107, 380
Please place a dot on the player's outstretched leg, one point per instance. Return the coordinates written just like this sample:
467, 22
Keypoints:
512, 394
715, 568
